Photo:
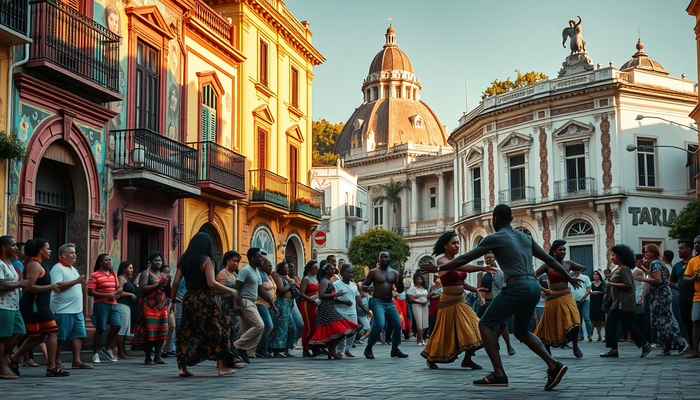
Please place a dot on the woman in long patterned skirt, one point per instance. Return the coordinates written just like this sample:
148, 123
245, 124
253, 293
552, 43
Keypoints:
152, 329
204, 333
309, 304
283, 334
664, 324
456, 325
331, 327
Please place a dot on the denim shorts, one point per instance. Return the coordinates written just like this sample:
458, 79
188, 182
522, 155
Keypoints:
518, 299
70, 326
104, 314
11, 322
695, 311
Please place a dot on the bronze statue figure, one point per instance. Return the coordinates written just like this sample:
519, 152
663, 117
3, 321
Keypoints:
577, 44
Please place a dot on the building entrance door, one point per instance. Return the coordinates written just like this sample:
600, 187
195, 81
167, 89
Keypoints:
54, 195
142, 240
583, 255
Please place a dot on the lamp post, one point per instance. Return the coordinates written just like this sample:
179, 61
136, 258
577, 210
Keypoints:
641, 117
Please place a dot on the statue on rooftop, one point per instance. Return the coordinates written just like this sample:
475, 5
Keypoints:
577, 44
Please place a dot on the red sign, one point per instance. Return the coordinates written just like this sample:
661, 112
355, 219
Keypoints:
320, 238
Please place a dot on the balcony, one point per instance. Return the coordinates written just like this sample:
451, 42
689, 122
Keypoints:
14, 18
517, 196
353, 213
472, 208
573, 188
221, 171
326, 213
75, 50
306, 203
156, 162
269, 190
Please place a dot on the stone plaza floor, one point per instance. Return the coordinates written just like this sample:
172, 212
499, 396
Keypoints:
592, 377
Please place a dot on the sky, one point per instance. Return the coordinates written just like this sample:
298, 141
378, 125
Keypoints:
449, 42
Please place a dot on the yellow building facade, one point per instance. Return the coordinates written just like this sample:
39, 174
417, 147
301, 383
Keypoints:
270, 126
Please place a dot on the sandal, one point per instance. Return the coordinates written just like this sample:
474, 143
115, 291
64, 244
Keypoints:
511, 351
8, 375
431, 364
57, 372
30, 363
13, 366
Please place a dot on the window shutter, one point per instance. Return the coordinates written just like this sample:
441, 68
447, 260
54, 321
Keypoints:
205, 123
74, 4
212, 125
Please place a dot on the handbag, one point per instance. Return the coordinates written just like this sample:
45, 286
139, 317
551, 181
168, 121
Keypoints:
293, 289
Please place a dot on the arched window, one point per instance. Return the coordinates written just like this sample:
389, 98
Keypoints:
580, 228
264, 241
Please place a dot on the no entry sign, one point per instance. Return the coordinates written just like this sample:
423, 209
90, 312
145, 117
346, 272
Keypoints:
320, 238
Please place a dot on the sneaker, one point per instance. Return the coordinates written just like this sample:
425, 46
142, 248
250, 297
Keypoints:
554, 376
646, 350
108, 353
492, 380
96, 358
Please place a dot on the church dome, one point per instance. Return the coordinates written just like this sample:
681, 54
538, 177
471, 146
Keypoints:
390, 58
641, 60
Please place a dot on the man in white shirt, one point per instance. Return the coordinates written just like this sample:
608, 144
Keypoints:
583, 303
67, 304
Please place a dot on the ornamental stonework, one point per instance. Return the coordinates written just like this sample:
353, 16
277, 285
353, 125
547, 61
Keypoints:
544, 164
492, 185
605, 152
546, 234
566, 110
609, 232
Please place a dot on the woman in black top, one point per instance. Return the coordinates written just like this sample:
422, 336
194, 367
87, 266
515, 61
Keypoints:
204, 333
598, 290
126, 303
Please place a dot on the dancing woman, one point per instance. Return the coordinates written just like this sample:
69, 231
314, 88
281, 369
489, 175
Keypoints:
309, 304
456, 326
560, 320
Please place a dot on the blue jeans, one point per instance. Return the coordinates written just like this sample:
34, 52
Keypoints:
298, 322
384, 311
266, 314
584, 308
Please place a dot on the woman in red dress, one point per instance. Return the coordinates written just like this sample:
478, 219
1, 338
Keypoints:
309, 303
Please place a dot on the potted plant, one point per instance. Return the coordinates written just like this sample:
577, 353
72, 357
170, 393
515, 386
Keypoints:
12, 148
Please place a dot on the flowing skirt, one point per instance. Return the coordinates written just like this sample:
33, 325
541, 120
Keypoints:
665, 326
308, 313
456, 330
559, 317
153, 321
226, 308
283, 335
331, 325
403, 314
204, 333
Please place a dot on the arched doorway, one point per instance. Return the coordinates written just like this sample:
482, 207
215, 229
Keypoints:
216, 248
294, 252
263, 239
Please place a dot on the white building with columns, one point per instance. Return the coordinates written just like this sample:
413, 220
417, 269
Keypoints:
556, 152
393, 134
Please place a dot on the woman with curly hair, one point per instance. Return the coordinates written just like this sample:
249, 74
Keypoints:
456, 325
560, 321
622, 302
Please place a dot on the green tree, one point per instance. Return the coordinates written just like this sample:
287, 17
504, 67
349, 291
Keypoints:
687, 223
364, 248
324, 135
522, 80
391, 192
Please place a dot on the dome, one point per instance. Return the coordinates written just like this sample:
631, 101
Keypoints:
390, 58
392, 121
641, 60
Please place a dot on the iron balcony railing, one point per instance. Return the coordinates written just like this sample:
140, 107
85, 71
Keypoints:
517, 196
71, 40
269, 187
215, 22
473, 207
13, 15
220, 165
579, 187
353, 212
306, 200
144, 149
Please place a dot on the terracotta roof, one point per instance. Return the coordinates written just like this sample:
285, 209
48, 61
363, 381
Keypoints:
392, 121
390, 58
641, 60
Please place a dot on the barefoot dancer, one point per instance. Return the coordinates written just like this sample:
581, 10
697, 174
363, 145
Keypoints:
457, 326
514, 251
382, 303
561, 321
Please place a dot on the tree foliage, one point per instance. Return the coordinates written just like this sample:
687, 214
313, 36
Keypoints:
528, 78
324, 135
364, 248
687, 223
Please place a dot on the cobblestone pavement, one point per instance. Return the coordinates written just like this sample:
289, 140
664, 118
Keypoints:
592, 377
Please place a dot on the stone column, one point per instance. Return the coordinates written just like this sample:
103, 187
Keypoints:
414, 205
404, 212
387, 215
441, 200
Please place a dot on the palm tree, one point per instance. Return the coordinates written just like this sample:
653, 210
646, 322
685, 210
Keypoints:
391, 192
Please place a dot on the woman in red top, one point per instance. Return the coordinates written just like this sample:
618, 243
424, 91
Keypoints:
105, 289
560, 321
456, 326
309, 303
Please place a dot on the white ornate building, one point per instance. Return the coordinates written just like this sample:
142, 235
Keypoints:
556, 152
394, 134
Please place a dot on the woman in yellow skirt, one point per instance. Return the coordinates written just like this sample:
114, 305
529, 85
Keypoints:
456, 326
560, 320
